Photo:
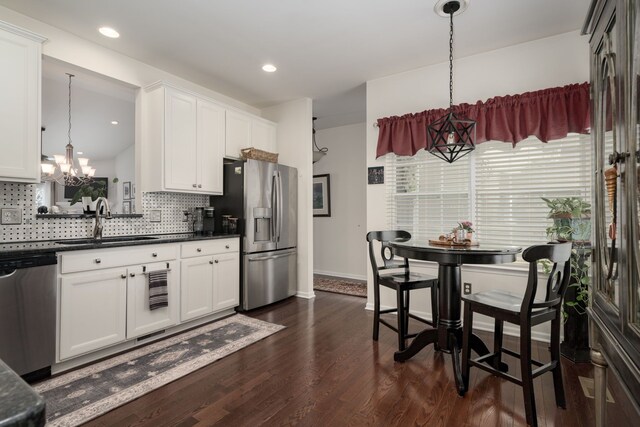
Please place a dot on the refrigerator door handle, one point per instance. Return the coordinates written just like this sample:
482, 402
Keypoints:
274, 207
280, 216
265, 258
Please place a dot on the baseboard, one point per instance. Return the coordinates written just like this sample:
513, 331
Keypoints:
482, 326
306, 295
341, 275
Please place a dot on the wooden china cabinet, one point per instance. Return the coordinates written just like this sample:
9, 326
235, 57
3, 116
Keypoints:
614, 29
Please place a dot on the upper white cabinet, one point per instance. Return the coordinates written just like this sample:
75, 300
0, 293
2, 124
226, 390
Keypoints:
245, 130
183, 141
20, 75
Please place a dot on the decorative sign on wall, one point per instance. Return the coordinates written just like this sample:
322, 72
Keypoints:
376, 175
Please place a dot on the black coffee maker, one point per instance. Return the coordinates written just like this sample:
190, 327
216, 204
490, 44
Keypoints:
209, 227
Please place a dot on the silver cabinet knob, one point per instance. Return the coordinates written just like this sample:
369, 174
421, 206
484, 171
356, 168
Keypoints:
155, 254
216, 261
211, 262
226, 246
199, 185
124, 276
195, 185
199, 250
132, 274
97, 260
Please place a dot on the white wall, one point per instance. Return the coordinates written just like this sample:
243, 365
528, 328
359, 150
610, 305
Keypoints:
338, 240
294, 120
540, 64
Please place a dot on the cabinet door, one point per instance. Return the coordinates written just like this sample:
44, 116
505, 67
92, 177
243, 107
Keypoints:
196, 288
180, 145
141, 320
211, 146
263, 135
226, 281
238, 133
20, 105
92, 311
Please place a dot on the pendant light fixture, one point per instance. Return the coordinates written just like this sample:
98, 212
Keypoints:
450, 137
64, 170
318, 153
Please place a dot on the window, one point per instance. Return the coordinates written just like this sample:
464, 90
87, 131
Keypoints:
497, 187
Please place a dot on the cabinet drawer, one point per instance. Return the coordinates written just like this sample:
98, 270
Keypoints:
116, 257
210, 247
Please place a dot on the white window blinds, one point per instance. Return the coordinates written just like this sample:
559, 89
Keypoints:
497, 187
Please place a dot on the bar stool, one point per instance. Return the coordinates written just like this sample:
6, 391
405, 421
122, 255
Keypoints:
525, 312
402, 281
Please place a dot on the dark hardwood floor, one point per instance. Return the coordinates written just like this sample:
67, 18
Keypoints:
324, 370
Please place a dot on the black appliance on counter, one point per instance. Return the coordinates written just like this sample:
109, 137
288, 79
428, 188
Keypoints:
209, 227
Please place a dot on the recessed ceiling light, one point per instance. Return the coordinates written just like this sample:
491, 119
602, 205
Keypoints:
114, 122
109, 32
269, 68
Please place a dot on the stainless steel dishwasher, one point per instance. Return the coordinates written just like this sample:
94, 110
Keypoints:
28, 313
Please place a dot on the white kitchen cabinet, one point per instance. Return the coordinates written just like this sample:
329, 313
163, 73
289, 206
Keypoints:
244, 130
182, 142
141, 320
20, 77
226, 281
93, 309
196, 290
210, 279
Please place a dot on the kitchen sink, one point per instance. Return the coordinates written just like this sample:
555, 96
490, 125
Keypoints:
104, 240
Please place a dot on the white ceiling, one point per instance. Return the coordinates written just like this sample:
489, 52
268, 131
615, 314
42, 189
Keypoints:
325, 50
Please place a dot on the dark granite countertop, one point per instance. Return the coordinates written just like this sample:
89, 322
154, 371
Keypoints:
36, 247
19, 403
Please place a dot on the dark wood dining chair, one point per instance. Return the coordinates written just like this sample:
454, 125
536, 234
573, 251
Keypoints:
525, 312
394, 274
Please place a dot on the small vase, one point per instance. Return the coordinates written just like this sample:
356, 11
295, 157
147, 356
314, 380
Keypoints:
470, 236
460, 234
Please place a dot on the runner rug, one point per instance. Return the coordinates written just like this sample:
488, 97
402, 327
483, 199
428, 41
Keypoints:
340, 286
78, 396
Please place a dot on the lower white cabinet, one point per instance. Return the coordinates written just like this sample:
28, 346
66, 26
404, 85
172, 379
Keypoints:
209, 283
93, 310
140, 320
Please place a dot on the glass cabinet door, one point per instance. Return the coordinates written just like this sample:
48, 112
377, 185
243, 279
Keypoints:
633, 178
607, 185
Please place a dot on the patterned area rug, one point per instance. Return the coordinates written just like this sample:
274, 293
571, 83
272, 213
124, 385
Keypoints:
78, 396
340, 286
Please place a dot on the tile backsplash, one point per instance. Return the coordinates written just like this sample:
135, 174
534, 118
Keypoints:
28, 197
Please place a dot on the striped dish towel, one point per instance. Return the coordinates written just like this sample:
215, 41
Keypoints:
158, 295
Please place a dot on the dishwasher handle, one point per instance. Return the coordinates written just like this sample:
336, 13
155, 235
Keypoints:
7, 273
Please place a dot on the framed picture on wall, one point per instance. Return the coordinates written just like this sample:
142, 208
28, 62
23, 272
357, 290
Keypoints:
376, 175
321, 195
126, 207
126, 190
133, 190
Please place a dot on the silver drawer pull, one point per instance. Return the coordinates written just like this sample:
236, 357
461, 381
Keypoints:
226, 246
155, 254
97, 260
132, 274
199, 250
124, 276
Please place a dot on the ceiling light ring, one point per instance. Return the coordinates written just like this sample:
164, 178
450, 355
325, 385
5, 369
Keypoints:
442, 7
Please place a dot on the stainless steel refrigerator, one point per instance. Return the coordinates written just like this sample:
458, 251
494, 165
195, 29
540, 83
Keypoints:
264, 198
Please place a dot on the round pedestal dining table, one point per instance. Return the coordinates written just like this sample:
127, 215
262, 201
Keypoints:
447, 336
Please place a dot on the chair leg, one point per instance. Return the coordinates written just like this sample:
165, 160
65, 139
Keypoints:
401, 321
527, 378
406, 312
497, 343
376, 309
434, 305
467, 330
558, 386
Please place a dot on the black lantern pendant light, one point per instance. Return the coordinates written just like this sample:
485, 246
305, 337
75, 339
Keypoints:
450, 137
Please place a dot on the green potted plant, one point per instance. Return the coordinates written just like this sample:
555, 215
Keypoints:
89, 192
572, 223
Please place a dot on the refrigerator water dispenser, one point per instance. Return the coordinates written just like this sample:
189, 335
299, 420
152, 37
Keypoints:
262, 224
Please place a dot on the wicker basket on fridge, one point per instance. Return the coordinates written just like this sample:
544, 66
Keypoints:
255, 154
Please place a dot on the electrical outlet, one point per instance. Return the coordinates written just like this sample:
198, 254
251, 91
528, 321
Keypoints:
467, 288
11, 216
155, 215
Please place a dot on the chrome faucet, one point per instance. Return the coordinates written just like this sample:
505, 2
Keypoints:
97, 230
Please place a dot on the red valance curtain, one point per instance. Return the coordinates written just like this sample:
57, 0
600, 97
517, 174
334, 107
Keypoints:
547, 114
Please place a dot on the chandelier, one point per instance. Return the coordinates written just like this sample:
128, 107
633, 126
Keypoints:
450, 137
62, 168
318, 153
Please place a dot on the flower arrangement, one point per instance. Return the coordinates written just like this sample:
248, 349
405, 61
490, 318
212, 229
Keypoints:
464, 225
